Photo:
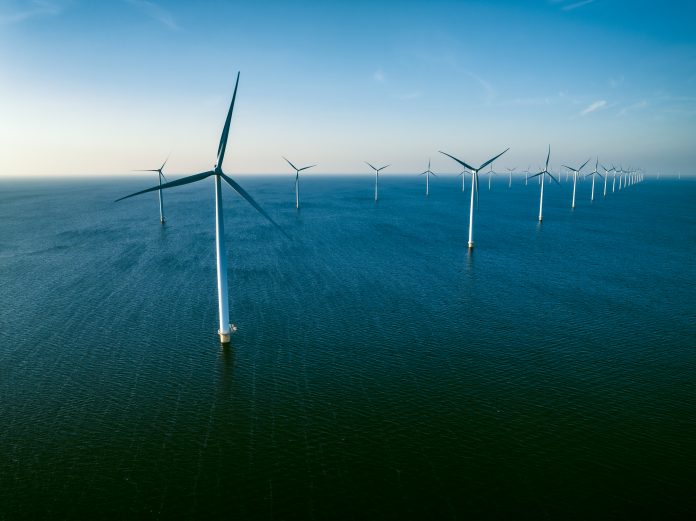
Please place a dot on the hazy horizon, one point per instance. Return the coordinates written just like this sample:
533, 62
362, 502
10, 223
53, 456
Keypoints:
104, 89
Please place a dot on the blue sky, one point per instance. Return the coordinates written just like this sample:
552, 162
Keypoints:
98, 88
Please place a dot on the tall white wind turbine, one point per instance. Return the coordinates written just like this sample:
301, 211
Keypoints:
510, 171
576, 171
377, 170
160, 176
427, 174
594, 173
543, 174
474, 187
220, 252
606, 176
463, 176
297, 179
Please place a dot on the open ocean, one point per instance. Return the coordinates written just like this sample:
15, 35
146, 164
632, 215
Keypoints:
379, 371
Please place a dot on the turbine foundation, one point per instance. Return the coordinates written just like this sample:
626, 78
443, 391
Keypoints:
471, 245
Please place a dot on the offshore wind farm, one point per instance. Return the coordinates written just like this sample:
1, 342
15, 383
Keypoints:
328, 345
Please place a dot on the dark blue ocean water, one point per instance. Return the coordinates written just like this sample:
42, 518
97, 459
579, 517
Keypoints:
379, 371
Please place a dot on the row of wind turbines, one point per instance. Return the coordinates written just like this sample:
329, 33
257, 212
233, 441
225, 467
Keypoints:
225, 328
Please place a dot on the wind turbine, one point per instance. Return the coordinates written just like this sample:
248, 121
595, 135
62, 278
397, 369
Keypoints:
606, 176
543, 174
474, 186
427, 178
576, 171
526, 176
510, 171
376, 177
463, 177
297, 180
593, 174
221, 256
490, 173
160, 176
613, 179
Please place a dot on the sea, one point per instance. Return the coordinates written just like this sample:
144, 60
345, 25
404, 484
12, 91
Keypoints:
379, 369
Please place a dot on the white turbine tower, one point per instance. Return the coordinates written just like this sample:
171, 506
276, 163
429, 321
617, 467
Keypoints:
474, 187
595, 173
463, 176
377, 170
221, 256
606, 176
490, 174
575, 171
427, 174
297, 179
510, 171
543, 174
160, 176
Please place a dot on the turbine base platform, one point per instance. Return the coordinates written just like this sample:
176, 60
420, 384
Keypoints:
226, 337
471, 245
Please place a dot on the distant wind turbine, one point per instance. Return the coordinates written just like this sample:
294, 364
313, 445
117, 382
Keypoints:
543, 174
297, 179
221, 255
474, 187
490, 174
160, 176
576, 171
377, 170
594, 173
510, 171
427, 174
463, 176
606, 176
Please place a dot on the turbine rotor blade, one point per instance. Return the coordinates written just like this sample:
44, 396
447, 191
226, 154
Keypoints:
293, 166
178, 182
535, 175
306, 167
372, 167
458, 161
150, 170
547, 158
583, 165
226, 129
552, 177
252, 202
493, 159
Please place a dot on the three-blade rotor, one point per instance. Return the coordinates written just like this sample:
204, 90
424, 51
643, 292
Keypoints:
217, 170
546, 169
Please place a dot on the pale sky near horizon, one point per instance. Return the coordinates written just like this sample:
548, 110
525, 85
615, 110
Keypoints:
101, 88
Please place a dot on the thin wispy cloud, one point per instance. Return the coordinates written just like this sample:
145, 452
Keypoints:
26, 10
576, 5
410, 95
615, 82
593, 107
636, 106
379, 76
156, 12
488, 89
